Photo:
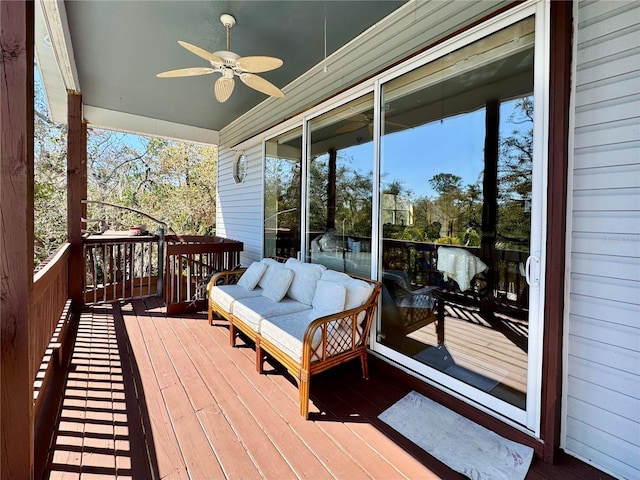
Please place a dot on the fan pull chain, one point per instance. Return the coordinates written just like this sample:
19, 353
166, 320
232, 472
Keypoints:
324, 68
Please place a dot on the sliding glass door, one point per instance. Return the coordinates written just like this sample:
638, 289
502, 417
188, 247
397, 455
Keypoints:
430, 180
456, 193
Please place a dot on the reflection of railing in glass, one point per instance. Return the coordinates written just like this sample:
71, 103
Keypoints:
419, 260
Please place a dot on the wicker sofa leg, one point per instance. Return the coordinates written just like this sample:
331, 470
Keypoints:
259, 357
303, 387
210, 315
232, 335
365, 365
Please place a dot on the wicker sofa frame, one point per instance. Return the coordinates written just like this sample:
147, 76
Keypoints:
351, 342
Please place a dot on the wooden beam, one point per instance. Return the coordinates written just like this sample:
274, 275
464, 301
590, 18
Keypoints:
16, 237
559, 96
76, 188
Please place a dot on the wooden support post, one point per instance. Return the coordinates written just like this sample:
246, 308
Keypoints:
84, 170
490, 203
76, 188
16, 238
559, 108
331, 189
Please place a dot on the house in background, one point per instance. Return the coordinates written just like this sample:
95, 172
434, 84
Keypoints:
534, 105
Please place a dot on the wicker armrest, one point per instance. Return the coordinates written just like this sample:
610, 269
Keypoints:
228, 277
341, 332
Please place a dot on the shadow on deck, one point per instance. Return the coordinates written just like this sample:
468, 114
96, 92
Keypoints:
148, 396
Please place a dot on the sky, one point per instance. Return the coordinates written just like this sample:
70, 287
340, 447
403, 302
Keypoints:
454, 145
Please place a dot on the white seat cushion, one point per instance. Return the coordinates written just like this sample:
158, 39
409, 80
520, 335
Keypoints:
286, 333
253, 310
226, 295
304, 281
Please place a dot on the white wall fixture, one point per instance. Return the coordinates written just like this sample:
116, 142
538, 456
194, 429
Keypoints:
239, 167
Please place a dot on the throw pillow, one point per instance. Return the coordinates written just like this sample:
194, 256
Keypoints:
279, 284
252, 275
267, 276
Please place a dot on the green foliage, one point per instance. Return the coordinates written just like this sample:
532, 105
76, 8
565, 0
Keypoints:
174, 182
448, 240
49, 189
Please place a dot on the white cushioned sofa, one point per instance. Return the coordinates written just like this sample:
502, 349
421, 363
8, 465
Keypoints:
305, 316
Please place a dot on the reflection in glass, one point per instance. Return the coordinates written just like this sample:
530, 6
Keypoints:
340, 188
282, 195
456, 161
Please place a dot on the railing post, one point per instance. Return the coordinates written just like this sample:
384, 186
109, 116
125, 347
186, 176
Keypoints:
161, 261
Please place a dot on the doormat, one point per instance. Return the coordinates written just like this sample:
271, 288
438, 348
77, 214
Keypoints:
456, 441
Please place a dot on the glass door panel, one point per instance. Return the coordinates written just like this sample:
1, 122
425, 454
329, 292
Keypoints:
455, 196
282, 194
340, 188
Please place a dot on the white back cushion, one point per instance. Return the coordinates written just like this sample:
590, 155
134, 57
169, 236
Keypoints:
305, 279
358, 291
329, 298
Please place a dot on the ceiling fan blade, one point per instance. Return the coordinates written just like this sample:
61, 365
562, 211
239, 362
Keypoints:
262, 85
361, 117
351, 127
202, 53
258, 64
186, 72
223, 88
395, 124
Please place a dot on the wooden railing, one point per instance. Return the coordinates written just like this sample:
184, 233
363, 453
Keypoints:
176, 267
190, 263
120, 267
51, 312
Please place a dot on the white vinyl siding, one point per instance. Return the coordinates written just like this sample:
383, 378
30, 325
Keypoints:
602, 375
239, 215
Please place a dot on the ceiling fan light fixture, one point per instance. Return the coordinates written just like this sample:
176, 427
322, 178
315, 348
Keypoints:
230, 64
223, 88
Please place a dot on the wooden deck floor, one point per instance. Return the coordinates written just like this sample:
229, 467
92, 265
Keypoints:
154, 397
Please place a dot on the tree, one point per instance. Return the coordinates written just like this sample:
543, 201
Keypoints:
448, 202
50, 181
172, 181
445, 183
515, 165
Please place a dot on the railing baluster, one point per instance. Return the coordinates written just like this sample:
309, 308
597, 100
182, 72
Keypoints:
131, 266
150, 263
141, 273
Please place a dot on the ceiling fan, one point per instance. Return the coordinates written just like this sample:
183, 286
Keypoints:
230, 65
361, 120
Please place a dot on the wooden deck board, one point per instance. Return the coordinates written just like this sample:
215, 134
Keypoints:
290, 448
324, 458
156, 397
